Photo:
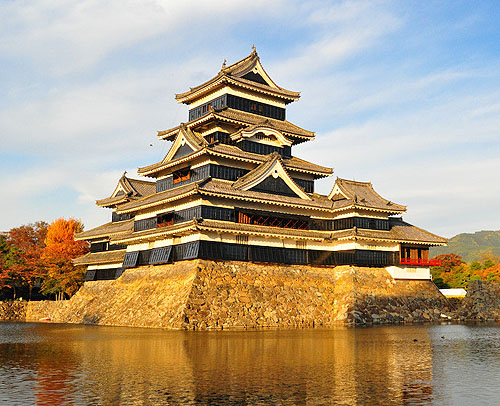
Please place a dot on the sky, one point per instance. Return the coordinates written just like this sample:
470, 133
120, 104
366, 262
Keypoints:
405, 95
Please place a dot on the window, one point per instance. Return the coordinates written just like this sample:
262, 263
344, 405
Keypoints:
166, 219
181, 175
272, 221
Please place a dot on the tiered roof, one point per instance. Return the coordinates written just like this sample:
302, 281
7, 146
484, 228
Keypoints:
235, 153
348, 194
243, 119
106, 230
101, 258
126, 190
400, 232
248, 74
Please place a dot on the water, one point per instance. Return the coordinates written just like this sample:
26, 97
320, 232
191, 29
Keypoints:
49, 364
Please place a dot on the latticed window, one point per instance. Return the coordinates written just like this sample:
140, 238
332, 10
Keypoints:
272, 221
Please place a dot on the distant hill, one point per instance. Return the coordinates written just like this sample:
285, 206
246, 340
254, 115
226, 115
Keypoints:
471, 246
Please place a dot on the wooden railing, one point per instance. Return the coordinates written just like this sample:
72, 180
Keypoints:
419, 261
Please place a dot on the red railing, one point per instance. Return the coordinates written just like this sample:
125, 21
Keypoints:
418, 261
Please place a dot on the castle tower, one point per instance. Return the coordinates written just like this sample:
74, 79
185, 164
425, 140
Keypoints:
230, 188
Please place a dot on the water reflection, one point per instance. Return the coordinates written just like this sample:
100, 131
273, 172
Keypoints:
56, 365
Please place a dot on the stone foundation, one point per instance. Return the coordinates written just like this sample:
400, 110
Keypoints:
201, 294
13, 311
481, 303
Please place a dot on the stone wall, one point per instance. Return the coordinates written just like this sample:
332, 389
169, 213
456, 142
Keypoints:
202, 294
142, 297
13, 311
482, 302
380, 299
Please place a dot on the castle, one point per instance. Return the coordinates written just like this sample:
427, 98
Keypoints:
230, 189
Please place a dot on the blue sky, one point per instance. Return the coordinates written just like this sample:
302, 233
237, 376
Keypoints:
403, 94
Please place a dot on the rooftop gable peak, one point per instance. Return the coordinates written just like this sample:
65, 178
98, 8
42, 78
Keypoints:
272, 168
126, 189
247, 73
362, 194
250, 68
185, 142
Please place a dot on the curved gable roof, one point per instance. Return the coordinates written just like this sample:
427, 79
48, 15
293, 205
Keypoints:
127, 189
272, 167
238, 74
347, 193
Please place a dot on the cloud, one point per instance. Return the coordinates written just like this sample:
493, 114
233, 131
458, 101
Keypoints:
64, 36
87, 84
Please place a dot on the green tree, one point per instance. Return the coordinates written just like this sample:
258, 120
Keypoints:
475, 265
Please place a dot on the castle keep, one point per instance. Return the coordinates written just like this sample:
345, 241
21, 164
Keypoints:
230, 189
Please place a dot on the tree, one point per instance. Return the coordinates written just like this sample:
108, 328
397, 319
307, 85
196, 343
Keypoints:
453, 271
22, 262
4, 254
61, 276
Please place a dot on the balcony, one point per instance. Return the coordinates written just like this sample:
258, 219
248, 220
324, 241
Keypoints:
419, 261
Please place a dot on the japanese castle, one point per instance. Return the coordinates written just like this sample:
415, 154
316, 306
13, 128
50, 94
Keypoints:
230, 188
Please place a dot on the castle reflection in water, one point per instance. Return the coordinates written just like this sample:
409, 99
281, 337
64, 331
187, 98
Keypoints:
99, 365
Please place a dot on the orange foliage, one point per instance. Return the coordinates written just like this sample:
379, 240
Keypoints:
60, 248
488, 274
60, 239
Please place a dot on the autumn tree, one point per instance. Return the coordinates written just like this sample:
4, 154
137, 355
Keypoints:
4, 253
61, 277
22, 262
453, 271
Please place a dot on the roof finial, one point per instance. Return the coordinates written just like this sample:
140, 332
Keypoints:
254, 50
124, 173
224, 64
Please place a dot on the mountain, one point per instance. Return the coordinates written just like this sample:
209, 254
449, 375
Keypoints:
471, 247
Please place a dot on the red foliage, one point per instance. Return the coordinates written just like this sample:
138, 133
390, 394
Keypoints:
449, 261
22, 264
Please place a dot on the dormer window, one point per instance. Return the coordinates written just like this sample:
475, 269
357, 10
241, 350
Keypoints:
181, 175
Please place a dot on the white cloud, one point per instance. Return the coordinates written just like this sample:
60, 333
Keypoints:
89, 83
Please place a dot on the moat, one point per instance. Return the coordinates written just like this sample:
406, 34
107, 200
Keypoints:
53, 364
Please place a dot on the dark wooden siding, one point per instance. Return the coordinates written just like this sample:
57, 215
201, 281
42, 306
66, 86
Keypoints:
182, 151
306, 185
362, 222
251, 106
242, 252
275, 186
105, 246
226, 172
220, 172
238, 103
264, 149
120, 217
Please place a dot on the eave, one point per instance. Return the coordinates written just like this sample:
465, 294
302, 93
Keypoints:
253, 119
223, 79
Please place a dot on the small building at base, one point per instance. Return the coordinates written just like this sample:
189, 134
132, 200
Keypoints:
230, 188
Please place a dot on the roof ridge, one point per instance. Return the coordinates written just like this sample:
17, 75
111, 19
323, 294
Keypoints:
353, 181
